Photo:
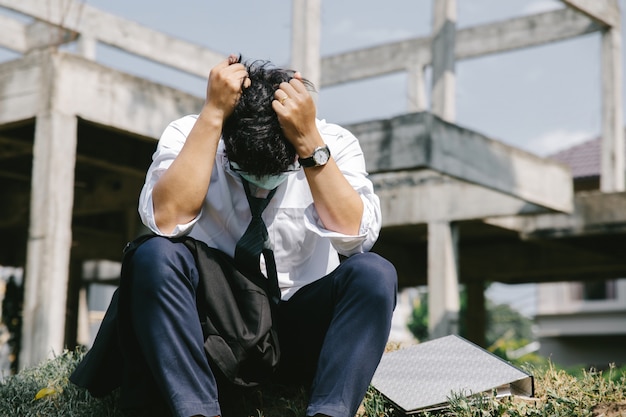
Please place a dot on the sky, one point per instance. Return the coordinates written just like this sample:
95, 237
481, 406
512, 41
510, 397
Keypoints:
541, 99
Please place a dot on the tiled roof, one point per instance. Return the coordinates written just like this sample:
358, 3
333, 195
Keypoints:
583, 159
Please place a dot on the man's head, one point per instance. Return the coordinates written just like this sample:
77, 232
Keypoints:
252, 135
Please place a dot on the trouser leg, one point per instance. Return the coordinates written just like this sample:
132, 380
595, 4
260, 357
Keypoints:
168, 351
336, 329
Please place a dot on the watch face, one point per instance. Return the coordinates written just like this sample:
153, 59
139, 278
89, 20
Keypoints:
321, 156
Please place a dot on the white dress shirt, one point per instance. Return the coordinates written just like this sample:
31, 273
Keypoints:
304, 250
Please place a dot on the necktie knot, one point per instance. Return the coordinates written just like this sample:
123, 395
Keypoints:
257, 205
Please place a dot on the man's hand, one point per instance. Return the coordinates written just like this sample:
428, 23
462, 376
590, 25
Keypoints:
339, 206
296, 112
224, 87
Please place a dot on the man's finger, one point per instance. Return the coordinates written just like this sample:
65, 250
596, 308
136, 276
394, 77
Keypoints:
288, 88
298, 85
225, 63
233, 59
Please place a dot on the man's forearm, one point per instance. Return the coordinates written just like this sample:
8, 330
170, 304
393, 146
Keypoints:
339, 206
180, 192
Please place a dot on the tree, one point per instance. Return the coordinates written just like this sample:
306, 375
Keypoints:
506, 328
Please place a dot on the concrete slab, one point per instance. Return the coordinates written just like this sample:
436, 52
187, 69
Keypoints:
423, 141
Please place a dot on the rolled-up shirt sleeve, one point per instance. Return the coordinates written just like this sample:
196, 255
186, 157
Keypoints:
170, 144
348, 155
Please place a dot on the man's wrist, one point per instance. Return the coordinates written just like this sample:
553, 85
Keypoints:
319, 157
212, 117
307, 147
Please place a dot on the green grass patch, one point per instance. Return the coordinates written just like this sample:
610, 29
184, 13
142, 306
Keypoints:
45, 390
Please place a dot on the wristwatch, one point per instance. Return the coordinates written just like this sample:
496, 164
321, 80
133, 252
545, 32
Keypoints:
319, 157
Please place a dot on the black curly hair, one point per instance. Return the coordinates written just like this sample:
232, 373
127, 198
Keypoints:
252, 135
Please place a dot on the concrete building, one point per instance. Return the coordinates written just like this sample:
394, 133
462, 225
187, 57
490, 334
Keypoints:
583, 322
459, 208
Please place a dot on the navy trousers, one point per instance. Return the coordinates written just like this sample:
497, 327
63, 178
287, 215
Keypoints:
332, 334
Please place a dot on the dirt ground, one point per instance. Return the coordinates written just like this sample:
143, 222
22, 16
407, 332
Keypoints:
610, 410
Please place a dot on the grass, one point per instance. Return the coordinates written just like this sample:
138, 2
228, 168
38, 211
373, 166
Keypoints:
558, 393
46, 391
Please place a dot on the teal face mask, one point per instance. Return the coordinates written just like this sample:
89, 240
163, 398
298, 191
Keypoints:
267, 182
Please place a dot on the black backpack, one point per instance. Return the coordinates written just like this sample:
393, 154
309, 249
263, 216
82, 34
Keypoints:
236, 312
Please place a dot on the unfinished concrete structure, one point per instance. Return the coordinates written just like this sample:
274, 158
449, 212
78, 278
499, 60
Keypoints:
76, 138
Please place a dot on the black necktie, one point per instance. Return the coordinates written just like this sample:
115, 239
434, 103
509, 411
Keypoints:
255, 241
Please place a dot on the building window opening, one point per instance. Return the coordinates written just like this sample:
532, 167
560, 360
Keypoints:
596, 290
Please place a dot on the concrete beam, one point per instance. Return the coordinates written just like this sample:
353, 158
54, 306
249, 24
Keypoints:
97, 244
128, 103
497, 257
108, 193
19, 88
491, 38
96, 93
421, 140
121, 33
523, 32
22, 38
594, 213
374, 61
425, 196
42, 35
539, 261
605, 12
12, 34
575, 322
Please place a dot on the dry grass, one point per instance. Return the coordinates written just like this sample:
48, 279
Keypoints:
558, 393
46, 391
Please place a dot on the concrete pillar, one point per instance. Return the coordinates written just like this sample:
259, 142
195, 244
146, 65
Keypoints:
476, 316
87, 47
443, 49
612, 161
305, 39
443, 286
72, 310
443, 282
50, 229
417, 90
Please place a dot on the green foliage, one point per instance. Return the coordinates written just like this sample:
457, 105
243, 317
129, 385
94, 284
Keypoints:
46, 391
418, 322
504, 322
503, 346
506, 329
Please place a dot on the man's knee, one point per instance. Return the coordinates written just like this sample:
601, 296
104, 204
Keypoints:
157, 259
374, 276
